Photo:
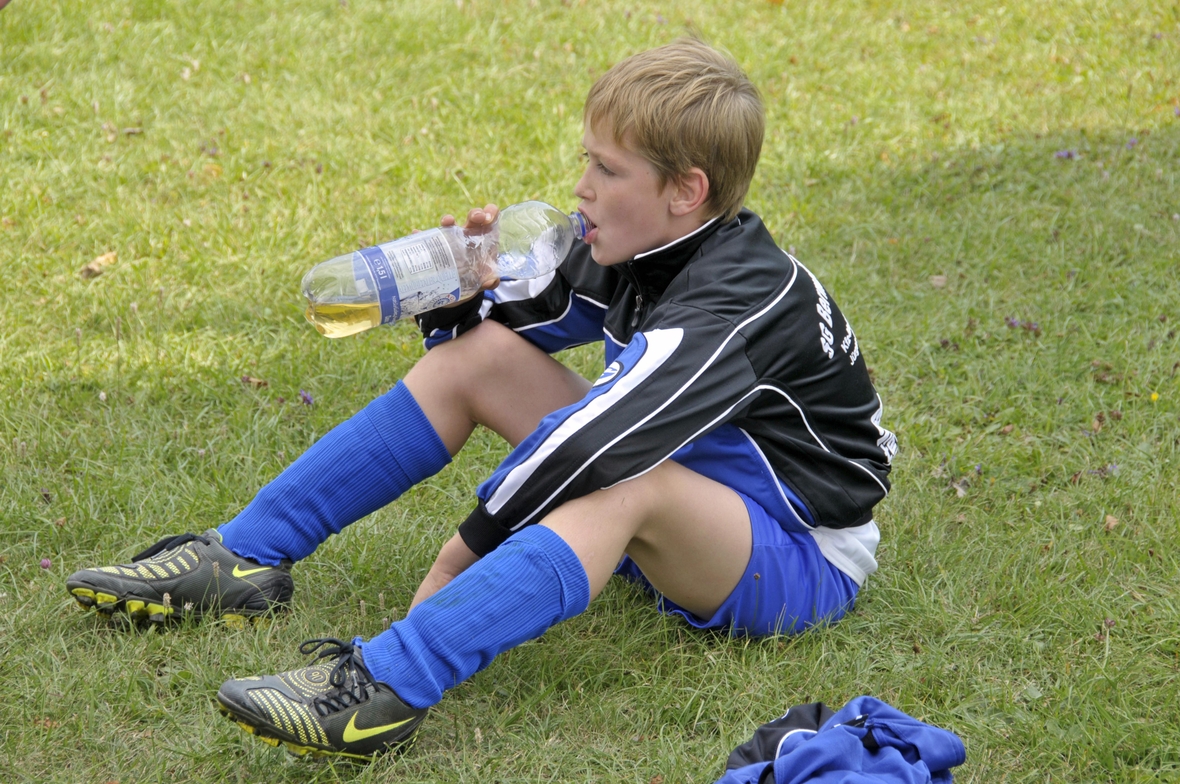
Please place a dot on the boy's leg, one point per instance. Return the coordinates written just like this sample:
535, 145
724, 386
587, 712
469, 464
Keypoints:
359, 466
488, 376
492, 377
690, 533
691, 536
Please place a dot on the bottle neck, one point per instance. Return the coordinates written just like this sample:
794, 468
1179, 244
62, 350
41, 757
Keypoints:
578, 221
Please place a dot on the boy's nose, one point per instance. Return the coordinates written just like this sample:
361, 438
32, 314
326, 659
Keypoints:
582, 190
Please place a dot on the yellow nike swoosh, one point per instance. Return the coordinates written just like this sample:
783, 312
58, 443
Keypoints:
240, 572
352, 733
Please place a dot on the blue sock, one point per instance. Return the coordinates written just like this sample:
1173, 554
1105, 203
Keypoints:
360, 466
530, 582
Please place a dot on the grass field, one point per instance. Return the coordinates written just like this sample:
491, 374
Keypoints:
990, 192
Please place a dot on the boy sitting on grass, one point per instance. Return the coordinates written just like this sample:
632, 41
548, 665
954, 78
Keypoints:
728, 458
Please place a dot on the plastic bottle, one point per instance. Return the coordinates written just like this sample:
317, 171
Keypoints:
423, 271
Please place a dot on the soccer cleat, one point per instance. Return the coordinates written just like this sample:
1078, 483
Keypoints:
185, 576
325, 709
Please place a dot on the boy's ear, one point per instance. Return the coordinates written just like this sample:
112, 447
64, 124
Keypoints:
692, 190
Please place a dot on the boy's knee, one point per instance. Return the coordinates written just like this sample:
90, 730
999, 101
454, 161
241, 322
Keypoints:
631, 503
473, 351
492, 338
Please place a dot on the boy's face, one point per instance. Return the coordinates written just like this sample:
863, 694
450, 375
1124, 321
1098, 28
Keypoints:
621, 196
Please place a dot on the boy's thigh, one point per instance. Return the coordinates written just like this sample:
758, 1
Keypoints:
493, 377
694, 540
786, 585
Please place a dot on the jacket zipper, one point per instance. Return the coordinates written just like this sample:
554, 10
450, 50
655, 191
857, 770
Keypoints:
633, 279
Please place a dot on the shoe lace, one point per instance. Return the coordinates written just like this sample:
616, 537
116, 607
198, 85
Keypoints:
348, 677
168, 544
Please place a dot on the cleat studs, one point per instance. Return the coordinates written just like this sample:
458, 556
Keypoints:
233, 621
105, 598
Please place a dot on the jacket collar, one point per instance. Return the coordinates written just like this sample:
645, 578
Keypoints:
651, 272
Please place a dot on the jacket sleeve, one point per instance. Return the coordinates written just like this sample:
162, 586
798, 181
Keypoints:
557, 311
685, 375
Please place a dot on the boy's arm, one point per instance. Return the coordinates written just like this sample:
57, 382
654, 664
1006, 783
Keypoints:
556, 311
670, 385
452, 560
656, 366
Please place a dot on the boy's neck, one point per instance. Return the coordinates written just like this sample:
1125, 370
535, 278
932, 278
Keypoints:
691, 228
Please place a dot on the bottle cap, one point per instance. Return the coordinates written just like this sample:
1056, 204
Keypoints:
579, 223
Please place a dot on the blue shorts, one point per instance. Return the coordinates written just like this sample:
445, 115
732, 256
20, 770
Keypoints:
788, 584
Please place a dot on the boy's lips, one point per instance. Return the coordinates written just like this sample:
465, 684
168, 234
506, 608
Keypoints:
591, 230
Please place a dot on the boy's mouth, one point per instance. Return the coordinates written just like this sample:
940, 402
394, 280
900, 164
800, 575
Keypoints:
591, 230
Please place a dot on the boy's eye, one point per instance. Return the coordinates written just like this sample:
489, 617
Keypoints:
585, 156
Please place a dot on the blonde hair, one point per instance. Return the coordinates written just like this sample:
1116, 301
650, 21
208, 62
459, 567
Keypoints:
683, 105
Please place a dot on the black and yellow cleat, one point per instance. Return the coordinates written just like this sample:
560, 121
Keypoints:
325, 709
187, 576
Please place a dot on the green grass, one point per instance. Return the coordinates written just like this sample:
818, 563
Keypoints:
905, 141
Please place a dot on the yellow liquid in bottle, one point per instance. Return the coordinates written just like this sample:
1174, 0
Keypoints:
341, 320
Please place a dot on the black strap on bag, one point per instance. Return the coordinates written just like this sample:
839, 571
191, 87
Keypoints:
764, 745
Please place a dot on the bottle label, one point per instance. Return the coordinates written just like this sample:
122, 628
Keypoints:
414, 274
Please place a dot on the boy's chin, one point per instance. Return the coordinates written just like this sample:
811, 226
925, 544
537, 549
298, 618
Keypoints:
603, 259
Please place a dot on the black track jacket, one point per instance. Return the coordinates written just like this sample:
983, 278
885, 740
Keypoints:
721, 326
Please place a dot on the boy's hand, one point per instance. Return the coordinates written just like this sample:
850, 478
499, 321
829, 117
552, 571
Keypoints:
479, 221
453, 559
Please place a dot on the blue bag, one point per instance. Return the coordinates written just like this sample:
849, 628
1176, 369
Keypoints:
865, 742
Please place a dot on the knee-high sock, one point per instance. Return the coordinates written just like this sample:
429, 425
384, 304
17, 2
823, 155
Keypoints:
360, 466
530, 582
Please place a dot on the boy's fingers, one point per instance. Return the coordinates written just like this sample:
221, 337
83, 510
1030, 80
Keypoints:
478, 218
